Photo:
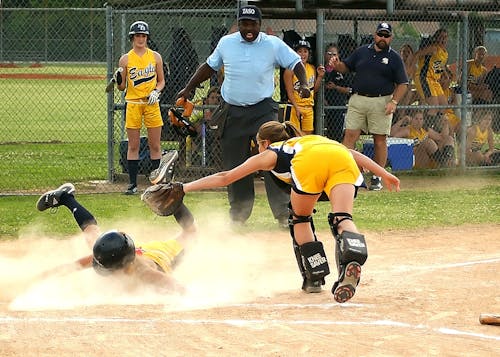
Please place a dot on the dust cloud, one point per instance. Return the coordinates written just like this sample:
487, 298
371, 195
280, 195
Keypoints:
219, 267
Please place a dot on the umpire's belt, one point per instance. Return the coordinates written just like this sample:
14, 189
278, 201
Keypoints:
372, 95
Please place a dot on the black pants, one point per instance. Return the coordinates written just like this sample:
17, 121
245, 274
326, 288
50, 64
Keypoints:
240, 128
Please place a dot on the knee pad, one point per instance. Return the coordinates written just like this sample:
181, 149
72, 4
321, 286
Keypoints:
350, 247
313, 259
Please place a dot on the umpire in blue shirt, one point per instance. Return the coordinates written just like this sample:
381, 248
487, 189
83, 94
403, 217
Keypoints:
249, 58
379, 84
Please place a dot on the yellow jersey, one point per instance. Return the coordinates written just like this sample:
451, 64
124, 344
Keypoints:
141, 76
432, 65
419, 134
163, 253
480, 138
475, 71
311, 78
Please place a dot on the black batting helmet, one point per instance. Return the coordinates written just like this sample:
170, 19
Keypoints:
302, 43
113, 250
138, 27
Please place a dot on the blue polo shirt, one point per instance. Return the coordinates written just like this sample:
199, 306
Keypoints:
377, 73
249, 66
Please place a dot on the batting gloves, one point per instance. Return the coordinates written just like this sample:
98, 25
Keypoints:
154, 96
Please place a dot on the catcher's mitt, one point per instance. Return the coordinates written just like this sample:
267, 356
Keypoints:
164, 199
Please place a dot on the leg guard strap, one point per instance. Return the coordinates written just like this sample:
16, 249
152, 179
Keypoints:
334, 221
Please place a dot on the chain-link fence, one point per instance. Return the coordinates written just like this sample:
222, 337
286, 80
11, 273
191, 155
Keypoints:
59, 125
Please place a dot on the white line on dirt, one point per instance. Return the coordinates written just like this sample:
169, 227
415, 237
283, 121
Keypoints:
446, 266
244, 323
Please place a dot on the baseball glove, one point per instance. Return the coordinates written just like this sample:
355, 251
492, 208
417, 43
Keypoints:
164, 199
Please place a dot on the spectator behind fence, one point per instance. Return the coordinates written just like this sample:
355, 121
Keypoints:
337, 92
300, 111
448, 84
480, 147
379, 84
249, 58
431, 59
144, 80
425, 148
476, 74
411, 96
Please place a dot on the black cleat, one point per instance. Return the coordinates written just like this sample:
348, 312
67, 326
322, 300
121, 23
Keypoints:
51, 199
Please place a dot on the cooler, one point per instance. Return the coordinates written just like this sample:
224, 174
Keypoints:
399, 153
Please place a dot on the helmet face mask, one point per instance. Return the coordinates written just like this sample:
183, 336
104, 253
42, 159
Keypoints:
138, 27
113, 251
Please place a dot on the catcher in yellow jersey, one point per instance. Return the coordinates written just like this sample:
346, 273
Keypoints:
311, 165
144, 80
115, 251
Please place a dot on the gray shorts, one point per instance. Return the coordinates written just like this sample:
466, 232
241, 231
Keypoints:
368, 114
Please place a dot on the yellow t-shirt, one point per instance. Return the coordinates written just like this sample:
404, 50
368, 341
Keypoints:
433, 65
419, 134
311, 78
163, 253
475, 71
141, 76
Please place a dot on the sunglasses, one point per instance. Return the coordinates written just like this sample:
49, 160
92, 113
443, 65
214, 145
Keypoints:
384, 35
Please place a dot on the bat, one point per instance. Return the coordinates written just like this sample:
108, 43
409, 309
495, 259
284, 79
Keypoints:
489, 319
112, 81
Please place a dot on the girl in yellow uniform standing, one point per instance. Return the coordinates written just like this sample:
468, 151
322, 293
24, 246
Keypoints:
312, 165
144, 81
431, 61
300, 111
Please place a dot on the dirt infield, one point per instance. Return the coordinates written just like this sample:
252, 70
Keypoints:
421, 293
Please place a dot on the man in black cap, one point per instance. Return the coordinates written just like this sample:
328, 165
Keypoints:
249, 58
379, 84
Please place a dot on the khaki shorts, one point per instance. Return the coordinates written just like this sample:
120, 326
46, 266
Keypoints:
135, 112
368, 114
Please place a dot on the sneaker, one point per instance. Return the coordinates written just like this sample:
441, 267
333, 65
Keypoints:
375, 183
345, 288
165, 172
51, 199
131, 190
311, 287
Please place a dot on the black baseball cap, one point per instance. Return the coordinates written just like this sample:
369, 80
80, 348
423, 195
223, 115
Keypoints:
384, 26
249, 12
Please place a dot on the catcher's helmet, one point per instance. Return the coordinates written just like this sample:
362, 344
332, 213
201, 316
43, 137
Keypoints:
113, 250
302, 43
138, 27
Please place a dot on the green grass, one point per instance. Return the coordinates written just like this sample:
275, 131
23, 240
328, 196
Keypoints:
374, 211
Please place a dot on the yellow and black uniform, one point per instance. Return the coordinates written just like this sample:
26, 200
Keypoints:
450, 113
419, 134
163, 253
480, 139
313, 164
475, 71
428, 73
306, 105
141, 81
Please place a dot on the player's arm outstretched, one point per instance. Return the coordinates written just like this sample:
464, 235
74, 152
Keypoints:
391, 181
